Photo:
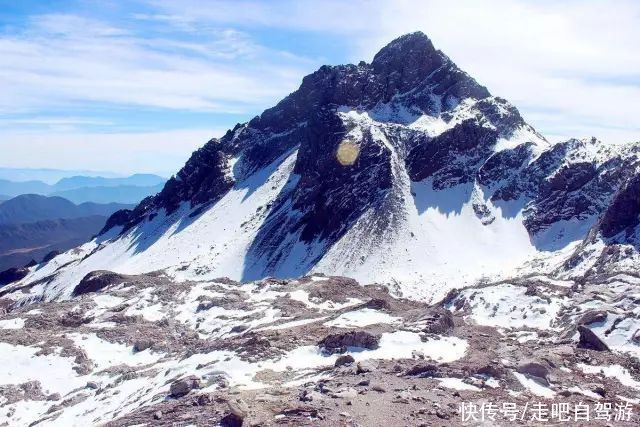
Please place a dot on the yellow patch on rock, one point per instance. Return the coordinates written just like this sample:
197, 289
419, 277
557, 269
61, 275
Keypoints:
347, 153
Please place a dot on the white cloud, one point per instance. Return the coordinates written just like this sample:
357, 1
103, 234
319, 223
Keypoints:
63, 59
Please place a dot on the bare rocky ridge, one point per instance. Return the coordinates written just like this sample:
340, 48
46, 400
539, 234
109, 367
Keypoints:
319, 350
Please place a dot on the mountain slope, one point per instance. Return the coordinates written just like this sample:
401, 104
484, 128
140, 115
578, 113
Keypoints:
32, 207
21, 243
146, 350
32, 226
80, 189
405, 171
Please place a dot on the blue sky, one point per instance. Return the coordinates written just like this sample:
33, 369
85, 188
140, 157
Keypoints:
136, 86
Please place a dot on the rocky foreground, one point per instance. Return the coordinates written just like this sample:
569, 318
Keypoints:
145, 350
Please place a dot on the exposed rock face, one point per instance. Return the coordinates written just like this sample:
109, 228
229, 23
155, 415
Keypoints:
142, 345
454, 156
31, 263
203, 179
423, 370
51, 255
592, 317
12, 275
534, 369
119, 218
74, 319
582, 188
439, 321
623, 215
238, 408
346, 359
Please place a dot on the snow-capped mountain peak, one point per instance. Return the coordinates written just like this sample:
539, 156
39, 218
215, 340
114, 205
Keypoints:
405, 170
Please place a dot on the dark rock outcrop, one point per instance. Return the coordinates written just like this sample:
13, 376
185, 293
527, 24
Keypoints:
454, 156
439, 321
588, 339
339, 342
51, 255
74, 319
118, 218
624, 211
183, 386
535, 370
13, 275
345, 359
31, 263
592, 317
97, 280
423, 369
142, 345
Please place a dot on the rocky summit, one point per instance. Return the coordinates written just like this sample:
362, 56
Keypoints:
387, 244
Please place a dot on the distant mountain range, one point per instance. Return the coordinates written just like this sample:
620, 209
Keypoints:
139, 180
32, 226
129, 194
80, 189
48, 175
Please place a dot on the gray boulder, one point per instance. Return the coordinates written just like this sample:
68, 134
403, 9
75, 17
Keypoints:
534, 370
338, 343
183, 386
345, 359
589, 340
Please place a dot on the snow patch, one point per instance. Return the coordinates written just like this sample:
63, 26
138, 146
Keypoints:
360, 318
105, 354
16, 323
533, 386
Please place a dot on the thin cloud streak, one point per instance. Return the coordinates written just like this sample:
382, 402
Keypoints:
57, 62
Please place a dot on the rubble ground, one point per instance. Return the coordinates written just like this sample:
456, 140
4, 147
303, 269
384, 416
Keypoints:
146, 350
